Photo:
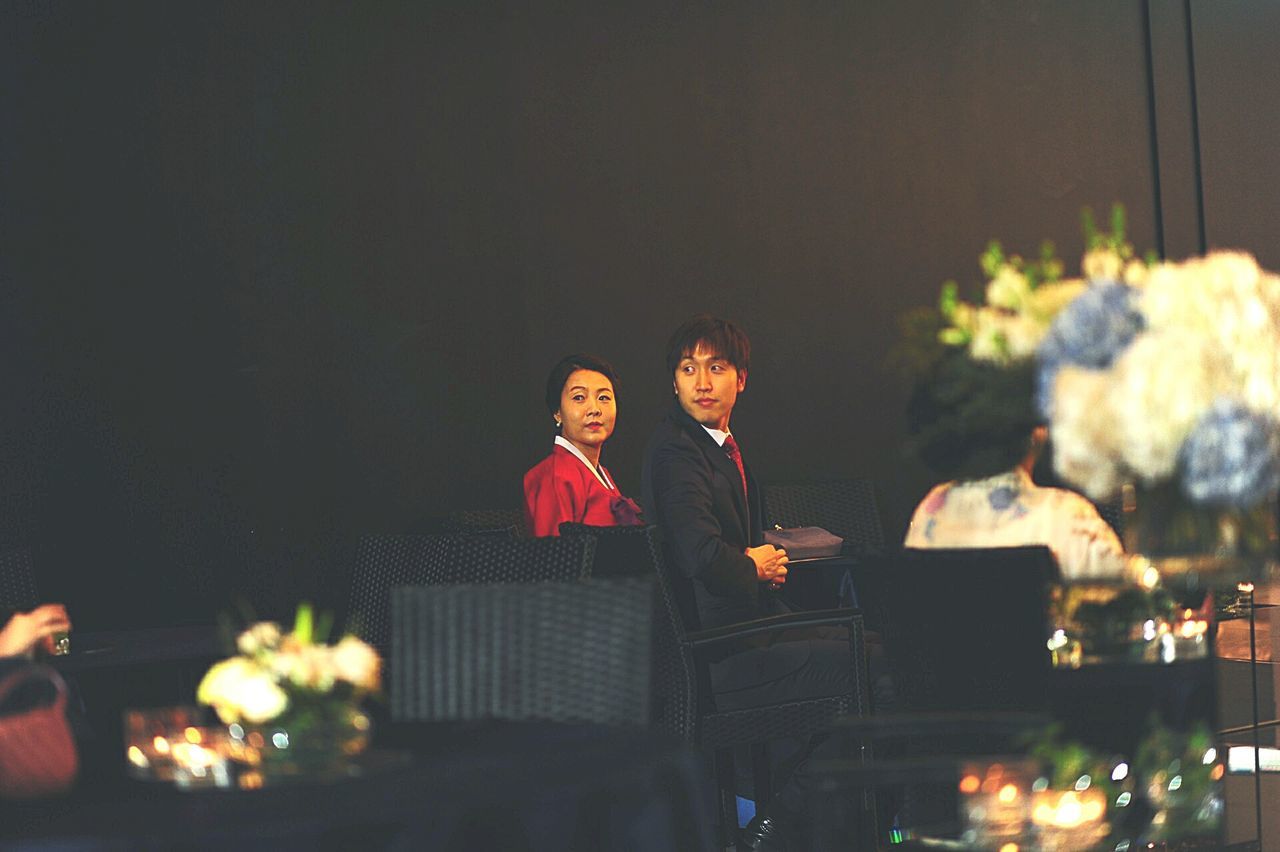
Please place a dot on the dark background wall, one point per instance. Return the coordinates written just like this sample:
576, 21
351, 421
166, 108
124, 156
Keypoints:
276, 274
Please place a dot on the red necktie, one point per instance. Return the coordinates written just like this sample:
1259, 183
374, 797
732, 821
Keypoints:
731, 449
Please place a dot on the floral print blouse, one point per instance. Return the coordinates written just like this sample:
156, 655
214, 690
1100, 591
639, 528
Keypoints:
1009, 510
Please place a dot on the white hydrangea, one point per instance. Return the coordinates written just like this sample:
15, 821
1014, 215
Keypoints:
1084, 449
1227, 299
1160, 387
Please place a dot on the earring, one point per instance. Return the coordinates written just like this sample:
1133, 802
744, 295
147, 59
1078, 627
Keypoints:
557, 422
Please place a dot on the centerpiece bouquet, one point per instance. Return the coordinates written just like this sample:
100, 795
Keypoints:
1160, 382
290, 700
1164, 388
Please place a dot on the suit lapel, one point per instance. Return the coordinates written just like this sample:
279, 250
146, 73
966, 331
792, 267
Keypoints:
720, 461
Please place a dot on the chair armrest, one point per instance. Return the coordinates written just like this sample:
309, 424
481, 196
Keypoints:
772, 624
901, 725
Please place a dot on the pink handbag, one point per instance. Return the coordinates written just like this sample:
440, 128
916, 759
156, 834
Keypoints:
37, 753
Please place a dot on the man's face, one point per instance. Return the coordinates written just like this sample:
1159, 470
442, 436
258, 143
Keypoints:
708, 386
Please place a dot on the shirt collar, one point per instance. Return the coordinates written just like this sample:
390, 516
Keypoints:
562, 441
716, 435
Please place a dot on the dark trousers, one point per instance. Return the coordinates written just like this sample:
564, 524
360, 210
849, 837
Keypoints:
823, 668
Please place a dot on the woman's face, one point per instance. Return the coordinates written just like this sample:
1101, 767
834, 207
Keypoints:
587, 410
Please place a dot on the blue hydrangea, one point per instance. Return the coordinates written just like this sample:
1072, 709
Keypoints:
1230, 458
1090, 332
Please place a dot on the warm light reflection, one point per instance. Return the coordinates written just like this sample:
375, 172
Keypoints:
1150, 577
1069, 809
161, 745
969, 784
1008, 793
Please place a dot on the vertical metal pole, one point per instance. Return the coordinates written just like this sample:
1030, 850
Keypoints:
1253, 677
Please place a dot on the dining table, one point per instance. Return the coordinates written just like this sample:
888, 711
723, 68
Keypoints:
491, 784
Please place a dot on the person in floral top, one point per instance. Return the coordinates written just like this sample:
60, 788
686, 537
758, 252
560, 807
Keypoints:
976, 424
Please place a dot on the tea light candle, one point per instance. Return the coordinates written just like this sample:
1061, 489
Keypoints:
196, 765
994, 803
1071, 819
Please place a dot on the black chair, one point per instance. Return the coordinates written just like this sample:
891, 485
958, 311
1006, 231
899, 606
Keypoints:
509, 521
18, 590
568, 652
686, 703
630, 551
846, 507
500, 559
384, 562
966, 629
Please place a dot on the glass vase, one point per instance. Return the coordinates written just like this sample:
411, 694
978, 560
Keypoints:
1199, 549
316, 741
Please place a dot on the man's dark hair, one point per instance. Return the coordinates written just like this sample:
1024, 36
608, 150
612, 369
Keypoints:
565, 368
969, 419
720, 336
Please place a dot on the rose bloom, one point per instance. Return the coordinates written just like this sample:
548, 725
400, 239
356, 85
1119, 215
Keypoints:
307, 666
260, 699
1009, 289
239, 689
1102, 264
263, 635
357, 663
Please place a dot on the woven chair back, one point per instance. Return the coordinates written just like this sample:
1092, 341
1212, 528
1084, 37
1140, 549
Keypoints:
569, 652
846, 507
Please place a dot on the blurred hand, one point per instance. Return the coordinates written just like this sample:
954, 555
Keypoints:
26, 630
771, 564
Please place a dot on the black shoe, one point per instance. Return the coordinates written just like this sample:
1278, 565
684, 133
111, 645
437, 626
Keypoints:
763, 834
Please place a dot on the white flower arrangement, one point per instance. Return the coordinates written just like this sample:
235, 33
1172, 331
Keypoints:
277, 672
1149, 372
1189, 392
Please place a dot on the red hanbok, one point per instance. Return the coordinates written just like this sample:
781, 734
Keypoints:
562, 487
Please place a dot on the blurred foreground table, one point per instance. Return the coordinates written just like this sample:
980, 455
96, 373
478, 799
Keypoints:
459, 786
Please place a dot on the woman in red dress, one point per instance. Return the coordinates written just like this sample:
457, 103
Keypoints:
571, 484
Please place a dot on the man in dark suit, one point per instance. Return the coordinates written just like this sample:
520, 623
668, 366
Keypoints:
698, 489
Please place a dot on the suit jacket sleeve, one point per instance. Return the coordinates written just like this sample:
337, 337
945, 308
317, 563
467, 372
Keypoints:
685, 506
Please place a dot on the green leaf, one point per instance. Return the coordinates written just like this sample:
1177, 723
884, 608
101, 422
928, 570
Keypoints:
303, 623
949, 299
324, 625
1089, 228
1117, 223
992, 259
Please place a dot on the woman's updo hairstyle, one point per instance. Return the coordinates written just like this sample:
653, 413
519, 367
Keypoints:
566, 367
972, 419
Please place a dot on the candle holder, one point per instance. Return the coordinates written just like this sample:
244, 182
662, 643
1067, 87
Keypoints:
149, 737
1069, 820
995, 803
